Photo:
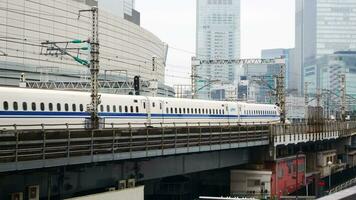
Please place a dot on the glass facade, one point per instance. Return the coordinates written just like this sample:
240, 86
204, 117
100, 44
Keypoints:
126, 49
326, 75
218, 37
322, 28
290, 71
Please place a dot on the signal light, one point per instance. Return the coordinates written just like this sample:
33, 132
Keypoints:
137, 85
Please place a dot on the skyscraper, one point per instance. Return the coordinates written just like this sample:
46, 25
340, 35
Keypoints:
217, 37
322, 28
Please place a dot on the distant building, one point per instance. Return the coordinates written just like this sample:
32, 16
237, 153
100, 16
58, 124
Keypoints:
325, 75
261, 81
295, 108
123, 8
224, 92
218, 37
322, 28
291, 75
126, 49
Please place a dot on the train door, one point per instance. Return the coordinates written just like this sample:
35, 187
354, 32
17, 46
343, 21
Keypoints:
146, 104
162, 108
227, 112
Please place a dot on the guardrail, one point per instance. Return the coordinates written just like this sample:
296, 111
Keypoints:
343, 186
42, 144
127, 141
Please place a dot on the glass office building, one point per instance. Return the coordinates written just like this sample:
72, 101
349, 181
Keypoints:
217, 37
322, 28
329, 68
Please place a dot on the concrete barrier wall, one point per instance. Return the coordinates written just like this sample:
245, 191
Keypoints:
136, 193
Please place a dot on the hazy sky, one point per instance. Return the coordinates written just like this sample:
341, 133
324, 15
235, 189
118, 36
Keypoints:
264, 24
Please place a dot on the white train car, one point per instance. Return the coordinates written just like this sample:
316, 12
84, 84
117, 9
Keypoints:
36, 106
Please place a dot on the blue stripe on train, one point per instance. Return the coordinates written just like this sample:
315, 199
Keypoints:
47, 114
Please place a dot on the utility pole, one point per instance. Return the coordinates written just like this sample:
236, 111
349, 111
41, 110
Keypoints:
281, 93
94, 68
194, 76
306, 99
343, 97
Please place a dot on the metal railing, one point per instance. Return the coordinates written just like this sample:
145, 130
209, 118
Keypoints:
52, 141
41, 144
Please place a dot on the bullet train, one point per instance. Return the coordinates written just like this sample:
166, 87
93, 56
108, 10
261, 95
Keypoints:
22, 106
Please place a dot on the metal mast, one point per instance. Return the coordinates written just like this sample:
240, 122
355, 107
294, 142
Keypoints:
94, 67
343, 97
281, 93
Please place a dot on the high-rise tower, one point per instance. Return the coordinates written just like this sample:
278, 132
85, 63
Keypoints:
217, 37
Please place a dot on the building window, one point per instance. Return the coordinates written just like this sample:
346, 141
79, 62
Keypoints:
16, 106
253, 182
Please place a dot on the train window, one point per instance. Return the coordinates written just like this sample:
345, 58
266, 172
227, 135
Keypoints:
210, 111
33, 106
171, 110
66, 107
223, 112
81, 107
199, 111
107, 108
120, 109
183, 110
206, 111
6, 105
114, 108
74, 107
187, 110
153, 104
137, 111
160, 106
42, 106
101, 108
217, 111
203, 111
15, 105
175, 110
58, 107
24, 106
192, 110
50, 106
196, 111
131, 109
180, 110
167, 110
144, 105
126, 109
